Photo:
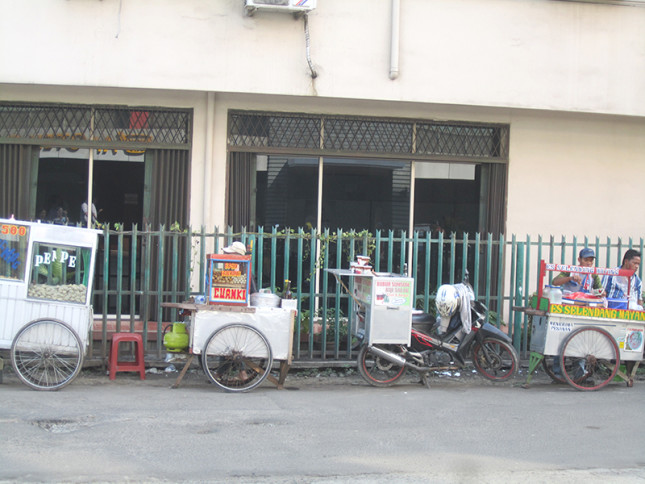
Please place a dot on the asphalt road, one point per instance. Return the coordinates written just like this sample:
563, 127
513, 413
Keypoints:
325, 429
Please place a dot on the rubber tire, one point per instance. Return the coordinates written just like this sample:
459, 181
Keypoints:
226, 357
368, 362
487, 372
592, 341
38, 357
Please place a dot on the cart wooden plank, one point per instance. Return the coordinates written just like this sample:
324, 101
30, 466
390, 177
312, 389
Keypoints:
208, 307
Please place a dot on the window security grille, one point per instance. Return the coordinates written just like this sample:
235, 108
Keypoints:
358, 136
71, 125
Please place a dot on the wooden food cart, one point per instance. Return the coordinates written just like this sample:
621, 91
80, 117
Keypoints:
583, 342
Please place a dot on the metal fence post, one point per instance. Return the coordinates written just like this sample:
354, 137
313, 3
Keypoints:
517, 322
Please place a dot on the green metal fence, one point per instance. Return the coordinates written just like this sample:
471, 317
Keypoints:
138, 270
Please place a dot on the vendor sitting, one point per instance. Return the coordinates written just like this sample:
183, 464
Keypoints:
575, 282
616, 286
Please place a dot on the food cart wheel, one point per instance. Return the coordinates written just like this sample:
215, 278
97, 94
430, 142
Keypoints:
378, 371
46, 354
547, 364
495, 359
237, 357
589, 358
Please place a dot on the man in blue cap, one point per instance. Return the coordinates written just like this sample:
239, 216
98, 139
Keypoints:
576, 282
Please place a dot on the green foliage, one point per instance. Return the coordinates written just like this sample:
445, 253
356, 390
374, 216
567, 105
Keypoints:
495, 318
330, 321
175, 227
327, 240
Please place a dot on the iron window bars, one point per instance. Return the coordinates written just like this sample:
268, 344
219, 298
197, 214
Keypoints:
294, 133
95, 126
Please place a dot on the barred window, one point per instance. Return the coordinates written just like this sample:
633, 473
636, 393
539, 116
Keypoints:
71, 125
352, 135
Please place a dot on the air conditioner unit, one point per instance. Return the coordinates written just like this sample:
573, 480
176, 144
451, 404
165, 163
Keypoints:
291, 6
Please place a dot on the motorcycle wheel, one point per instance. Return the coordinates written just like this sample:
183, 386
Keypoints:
495, 359
377, 371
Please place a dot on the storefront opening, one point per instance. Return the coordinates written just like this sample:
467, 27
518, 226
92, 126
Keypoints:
117, 186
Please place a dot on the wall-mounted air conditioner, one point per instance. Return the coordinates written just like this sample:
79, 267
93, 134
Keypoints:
292, 6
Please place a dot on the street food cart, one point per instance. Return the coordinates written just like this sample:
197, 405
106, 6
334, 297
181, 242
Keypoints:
382, 305
237, 336
46, 276
582, 341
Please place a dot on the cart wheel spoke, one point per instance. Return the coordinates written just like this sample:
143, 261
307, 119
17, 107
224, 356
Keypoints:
47, 354
237, 357
589, 358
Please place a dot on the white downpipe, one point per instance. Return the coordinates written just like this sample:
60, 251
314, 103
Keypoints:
208, 154
90, 176
318, 229
394, 40
413, 171
319, 217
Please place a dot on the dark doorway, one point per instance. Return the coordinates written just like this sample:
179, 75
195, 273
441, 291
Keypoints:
117, 189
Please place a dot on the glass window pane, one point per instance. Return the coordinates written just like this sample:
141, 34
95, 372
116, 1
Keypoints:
366, 194
59, 273
287, 192
447, 197
14, 240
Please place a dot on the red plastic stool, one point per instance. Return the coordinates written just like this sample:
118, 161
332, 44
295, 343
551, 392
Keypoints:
136, 365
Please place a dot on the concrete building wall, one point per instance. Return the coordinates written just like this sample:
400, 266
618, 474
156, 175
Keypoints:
568, 77
536, 54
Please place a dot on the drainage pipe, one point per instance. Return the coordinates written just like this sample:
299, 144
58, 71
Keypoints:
208, 155
394, 39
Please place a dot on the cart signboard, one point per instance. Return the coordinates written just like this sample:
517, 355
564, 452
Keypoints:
597, 312
393, 292
228, 279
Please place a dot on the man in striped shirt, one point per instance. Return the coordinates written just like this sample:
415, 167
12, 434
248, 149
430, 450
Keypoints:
616, 286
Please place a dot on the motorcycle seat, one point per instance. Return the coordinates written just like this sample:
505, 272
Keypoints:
422, 321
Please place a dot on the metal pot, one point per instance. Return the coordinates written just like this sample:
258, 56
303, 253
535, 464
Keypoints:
265, 300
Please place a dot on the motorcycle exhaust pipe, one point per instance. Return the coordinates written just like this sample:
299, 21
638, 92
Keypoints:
392, 358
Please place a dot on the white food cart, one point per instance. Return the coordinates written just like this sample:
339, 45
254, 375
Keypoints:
237, 342
46, 276
383, 304
238, 345
582, 342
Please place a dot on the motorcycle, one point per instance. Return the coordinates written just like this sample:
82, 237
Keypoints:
444, 343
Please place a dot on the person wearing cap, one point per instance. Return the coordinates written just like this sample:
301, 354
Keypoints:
239, 248
576, 282
616, 286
